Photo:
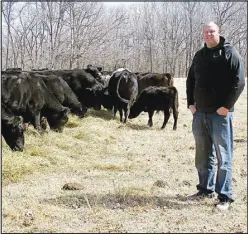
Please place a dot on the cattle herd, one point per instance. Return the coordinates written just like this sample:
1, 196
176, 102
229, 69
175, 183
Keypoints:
46, 97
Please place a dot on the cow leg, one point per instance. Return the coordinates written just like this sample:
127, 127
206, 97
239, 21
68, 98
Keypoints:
150, 114
166, 117
115, 110
175, 115
121, 114
37, 121
126, 113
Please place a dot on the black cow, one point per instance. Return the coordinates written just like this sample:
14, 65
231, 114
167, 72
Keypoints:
123, 87
154, 79
107, 101
26, 95
86, 87
157, 99
63, 93
12, 129
14, 69
95, 72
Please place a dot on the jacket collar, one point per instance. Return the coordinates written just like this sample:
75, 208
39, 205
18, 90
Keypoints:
218, 46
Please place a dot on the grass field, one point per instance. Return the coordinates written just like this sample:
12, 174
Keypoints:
134, 178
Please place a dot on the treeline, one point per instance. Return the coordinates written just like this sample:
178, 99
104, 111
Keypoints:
145, 37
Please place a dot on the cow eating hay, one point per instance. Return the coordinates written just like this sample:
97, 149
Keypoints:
157, 99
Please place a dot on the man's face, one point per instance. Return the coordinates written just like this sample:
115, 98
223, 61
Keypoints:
211, 35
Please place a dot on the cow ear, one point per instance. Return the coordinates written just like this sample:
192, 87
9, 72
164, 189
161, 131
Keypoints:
99, 69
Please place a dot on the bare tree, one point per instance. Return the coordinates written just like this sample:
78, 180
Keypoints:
149, 36
53, 13
7, 12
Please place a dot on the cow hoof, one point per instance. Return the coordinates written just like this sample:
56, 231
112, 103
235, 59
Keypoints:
25, 126
43, 123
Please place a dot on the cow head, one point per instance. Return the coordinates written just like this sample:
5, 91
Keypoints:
135, 111
94, 71
107, 100
80, 112
13, 133
57, 121
93, 97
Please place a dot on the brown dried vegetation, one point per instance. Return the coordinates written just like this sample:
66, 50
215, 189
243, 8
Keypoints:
134, 178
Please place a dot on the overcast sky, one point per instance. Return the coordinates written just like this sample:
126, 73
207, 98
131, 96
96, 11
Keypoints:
121, 3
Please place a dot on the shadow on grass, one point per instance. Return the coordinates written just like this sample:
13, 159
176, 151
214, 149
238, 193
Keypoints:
140, 126
103, 114
145, 126
116, 201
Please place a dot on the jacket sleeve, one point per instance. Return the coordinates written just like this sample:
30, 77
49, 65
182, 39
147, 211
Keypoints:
190, 85
238, 78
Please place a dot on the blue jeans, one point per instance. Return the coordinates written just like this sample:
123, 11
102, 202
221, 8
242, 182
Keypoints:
213, 134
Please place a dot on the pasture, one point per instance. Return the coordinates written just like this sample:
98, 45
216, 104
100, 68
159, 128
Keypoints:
134, 178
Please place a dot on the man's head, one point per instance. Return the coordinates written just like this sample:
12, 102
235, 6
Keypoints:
211, 34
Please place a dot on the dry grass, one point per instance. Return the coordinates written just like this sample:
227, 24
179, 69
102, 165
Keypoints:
118, 166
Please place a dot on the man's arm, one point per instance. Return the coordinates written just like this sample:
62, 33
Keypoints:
238, 75
190, 85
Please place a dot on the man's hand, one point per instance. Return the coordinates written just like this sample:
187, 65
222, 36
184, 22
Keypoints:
192, 109
222, 111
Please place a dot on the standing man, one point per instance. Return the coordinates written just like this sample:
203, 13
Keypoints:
214, 83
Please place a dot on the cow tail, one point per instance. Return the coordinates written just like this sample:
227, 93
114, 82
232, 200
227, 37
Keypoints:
117, 92
175, 99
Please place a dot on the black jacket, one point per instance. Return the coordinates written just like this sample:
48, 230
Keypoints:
216, 78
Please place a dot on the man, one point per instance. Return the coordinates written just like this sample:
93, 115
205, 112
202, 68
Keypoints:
214, 83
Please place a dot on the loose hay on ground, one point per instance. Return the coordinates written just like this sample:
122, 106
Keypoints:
118, 166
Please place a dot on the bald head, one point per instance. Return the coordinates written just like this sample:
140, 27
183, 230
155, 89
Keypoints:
211, 24
211, 34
